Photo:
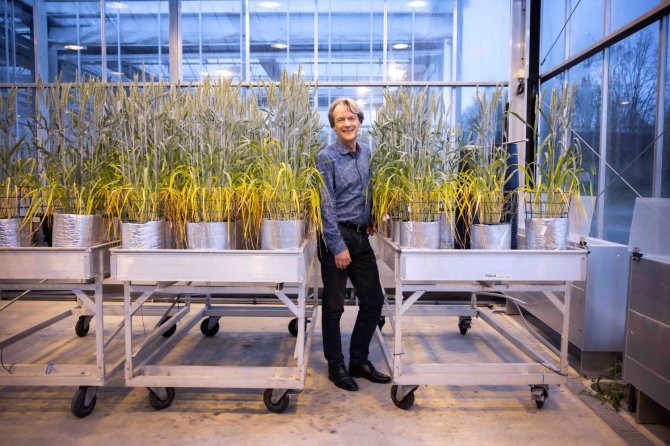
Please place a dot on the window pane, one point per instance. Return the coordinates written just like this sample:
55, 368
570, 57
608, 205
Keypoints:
351, 43
630, 128
586, 24
420, 39
212, 43
73, 40
282, 37
485, 31
467, 109
17, 54
552, 40
24, 112
624, 11
587, 79
555, 83
136, 37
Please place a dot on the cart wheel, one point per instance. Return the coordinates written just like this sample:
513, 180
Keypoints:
82, 326
170, 331
158, 403
405, 403
381, 322
78, 405
464, 324
204, 328
539, 394
293, 326
278, 407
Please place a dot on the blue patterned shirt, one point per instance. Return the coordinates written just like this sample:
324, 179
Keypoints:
345, 196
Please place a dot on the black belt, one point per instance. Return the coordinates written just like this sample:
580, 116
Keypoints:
353, 226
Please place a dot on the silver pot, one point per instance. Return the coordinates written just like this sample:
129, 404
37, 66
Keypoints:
447, 226
211, 235
495, 237
149, 235
71, 230
547, 233
282, 234
415, 234
11, 233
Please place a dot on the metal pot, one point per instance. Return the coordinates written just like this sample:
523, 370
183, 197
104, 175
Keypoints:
498, 236
282, 234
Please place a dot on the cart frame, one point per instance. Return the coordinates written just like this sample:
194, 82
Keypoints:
418, 271
80, 270
206, 272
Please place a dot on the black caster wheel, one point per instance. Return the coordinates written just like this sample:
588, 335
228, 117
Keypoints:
405, 403
539, 394
293, 326
78, 405
381, 322
158, 403
82, 326
464, 325
278, 407
170, 331
204, 328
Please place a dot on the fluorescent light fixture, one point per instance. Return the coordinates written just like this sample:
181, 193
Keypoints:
75, 47
279, 46
400, 46
625, 102
362, 91
269, 5
417, 4
117, 73
117, 5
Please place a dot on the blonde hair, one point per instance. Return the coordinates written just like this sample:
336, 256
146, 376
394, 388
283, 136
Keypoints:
350, 104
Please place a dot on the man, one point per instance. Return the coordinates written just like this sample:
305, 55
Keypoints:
344, 249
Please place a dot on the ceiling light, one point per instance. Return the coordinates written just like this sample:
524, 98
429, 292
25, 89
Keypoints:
362, 91
224, 73
117, 73
117, 5
400, 46
269, 5
75, 47
625, 102
417, 4
279, 46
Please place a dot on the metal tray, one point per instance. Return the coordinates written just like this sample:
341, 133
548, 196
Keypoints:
39, 263
196, 265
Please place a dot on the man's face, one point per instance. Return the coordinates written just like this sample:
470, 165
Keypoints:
346, 124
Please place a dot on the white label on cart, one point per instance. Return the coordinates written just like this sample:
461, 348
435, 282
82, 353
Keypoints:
498, 276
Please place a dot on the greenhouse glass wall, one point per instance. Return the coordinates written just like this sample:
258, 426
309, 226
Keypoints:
615, 52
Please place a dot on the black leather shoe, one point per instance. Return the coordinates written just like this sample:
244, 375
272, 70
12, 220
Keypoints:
368, 372
341, 378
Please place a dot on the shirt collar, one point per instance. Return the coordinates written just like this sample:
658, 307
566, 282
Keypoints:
344, 150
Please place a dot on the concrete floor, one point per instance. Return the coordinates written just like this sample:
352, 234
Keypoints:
320, 414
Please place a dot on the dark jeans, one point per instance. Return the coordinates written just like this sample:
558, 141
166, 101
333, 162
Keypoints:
364, 275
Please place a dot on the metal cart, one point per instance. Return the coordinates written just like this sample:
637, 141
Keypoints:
184, 273
418, 271
81, 271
